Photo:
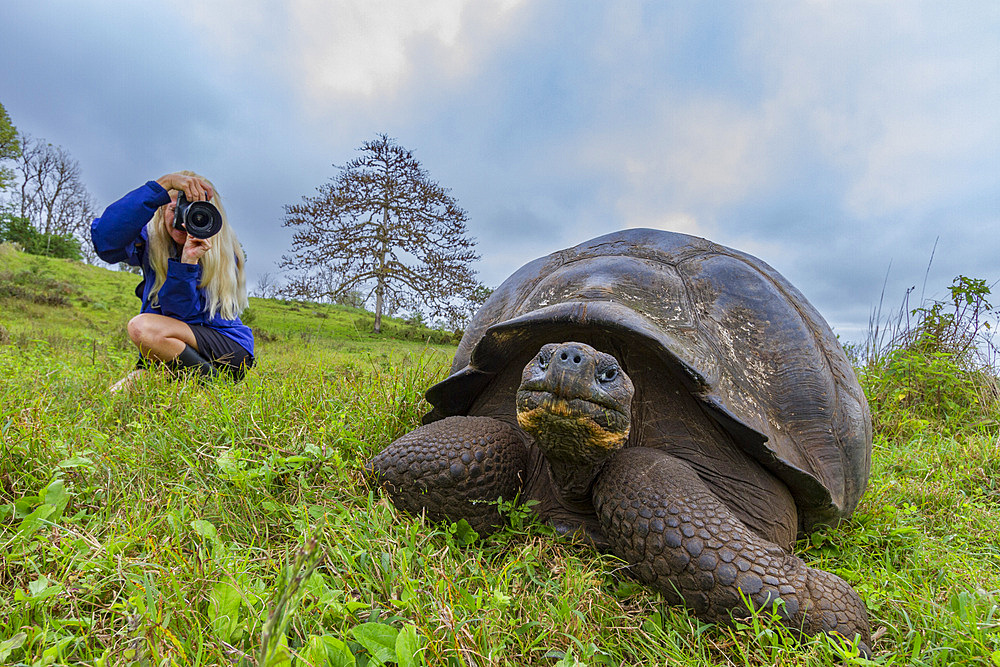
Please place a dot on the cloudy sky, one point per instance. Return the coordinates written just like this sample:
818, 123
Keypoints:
838, 141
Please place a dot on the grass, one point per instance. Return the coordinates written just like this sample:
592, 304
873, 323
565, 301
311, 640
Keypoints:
214, 524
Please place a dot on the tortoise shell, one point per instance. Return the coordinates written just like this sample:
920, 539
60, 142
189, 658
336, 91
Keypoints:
728, 328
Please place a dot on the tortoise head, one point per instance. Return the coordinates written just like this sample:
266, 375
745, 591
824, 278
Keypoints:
575, 402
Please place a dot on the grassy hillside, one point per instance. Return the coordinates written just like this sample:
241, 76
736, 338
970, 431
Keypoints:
86, 308
210, 524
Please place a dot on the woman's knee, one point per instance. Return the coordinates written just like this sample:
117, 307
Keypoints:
162, 337
139, 329
145, 329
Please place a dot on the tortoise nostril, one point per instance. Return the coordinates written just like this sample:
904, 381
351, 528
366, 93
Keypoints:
571, 355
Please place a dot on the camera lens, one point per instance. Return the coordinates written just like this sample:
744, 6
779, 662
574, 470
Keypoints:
200, 219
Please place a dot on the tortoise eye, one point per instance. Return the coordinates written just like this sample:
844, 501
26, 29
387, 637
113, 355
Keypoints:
608, 374
543, 361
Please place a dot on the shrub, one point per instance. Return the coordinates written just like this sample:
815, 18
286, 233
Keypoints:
934, 366
19, 230
248, 316
37, 287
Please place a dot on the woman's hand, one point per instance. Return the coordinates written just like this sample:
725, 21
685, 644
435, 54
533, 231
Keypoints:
194, 188
194, 249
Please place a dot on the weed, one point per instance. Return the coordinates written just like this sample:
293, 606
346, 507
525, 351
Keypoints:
934, 366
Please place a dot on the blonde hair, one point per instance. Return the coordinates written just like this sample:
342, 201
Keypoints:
222, 268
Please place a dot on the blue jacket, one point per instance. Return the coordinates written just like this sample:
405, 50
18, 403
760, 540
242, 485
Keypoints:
119, 235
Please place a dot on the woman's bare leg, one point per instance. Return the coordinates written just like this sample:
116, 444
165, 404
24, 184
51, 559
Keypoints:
160, 337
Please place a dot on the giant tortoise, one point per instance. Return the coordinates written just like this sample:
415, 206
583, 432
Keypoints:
676, 402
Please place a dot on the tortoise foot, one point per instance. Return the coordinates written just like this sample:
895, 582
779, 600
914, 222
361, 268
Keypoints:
453, 469
682, 540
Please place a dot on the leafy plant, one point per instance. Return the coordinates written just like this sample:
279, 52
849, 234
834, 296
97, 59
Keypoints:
936, 363
19, 230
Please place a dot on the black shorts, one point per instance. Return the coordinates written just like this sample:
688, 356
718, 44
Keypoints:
222, 351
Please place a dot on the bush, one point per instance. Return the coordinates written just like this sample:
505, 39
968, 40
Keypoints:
36, 286
19, 230
935, 365
248, 316
406, 331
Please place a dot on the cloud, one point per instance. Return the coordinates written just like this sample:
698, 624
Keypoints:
857, 138
827, 139
897, 97
352, 48
685, 163
895, 100
671, 222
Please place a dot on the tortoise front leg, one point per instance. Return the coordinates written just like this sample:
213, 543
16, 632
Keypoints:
455, 468
681, 539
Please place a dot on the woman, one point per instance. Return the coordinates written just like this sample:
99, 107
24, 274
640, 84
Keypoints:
193, 289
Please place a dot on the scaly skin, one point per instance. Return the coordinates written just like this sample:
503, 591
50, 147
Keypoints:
653, 509
682, 540
454, 469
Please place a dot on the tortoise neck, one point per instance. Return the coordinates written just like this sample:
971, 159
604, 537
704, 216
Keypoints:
573, 482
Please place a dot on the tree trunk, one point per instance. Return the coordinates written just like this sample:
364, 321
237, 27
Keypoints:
379, 286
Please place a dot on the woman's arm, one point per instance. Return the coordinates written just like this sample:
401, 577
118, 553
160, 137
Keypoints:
122, 222
180, 296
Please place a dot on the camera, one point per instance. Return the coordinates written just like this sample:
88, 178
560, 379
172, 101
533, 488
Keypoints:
200, 219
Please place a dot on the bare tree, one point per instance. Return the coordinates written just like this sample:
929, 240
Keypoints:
267, 286
383, 228
51, 193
